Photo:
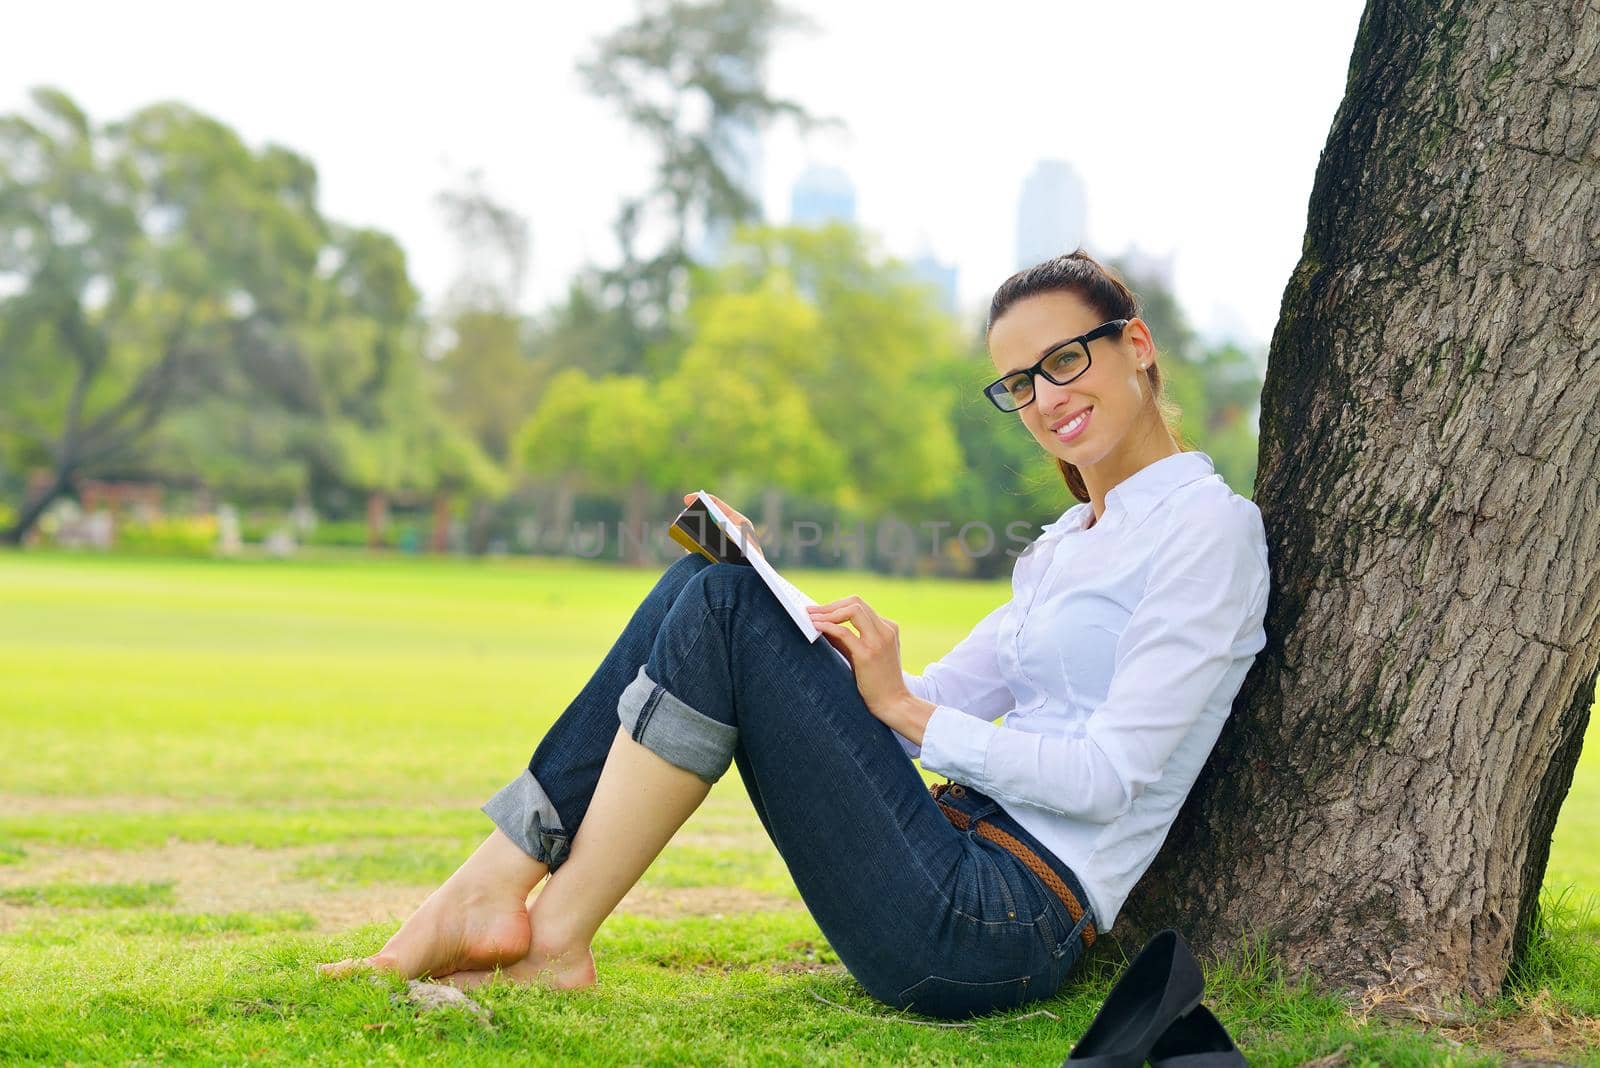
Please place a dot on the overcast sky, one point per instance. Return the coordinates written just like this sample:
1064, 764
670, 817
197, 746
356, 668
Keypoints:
1196, 127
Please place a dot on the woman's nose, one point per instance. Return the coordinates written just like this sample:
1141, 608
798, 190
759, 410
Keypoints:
1050, 397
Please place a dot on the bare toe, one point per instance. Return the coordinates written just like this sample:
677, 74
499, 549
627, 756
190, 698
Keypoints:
348, 966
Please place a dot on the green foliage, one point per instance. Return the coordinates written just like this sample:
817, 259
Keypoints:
347, 534
1217, 388
683, 75
878, 335
179, 307
484, 380
741, 404
169, 535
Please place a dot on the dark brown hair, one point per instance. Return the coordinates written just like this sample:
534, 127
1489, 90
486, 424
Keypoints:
1102, 289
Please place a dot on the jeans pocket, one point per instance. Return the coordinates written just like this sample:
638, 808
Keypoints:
983, 893
952, 999
1063, 936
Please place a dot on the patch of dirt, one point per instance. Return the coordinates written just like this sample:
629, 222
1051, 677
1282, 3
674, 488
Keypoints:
666, 901
32, 805
807, 963
1540, 1033
207, 877
781, 967
37, 805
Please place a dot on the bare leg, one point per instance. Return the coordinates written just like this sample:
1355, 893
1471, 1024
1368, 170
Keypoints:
477, 919
639, 803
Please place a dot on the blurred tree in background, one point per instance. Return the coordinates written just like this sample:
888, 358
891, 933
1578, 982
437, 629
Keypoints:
177, 309
1218, 387
180, 309
689, 78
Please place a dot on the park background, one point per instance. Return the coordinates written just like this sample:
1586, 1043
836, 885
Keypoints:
300, 460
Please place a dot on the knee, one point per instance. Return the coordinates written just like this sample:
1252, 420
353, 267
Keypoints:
730, 585
685, 567
679, 572
687, 564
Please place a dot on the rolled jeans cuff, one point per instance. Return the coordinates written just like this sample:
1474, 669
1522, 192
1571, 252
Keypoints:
525, 813
675, 732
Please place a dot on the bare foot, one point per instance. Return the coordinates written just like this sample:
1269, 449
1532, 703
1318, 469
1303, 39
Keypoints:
552, 967
478, 919
451, 931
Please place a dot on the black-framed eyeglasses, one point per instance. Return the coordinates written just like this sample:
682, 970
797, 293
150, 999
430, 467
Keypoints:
1060, 365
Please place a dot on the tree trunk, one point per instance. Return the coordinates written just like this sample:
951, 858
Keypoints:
439, 530
377, 519
562, 506
1380, 806
59, 480
772, 524
479, 526
631, 547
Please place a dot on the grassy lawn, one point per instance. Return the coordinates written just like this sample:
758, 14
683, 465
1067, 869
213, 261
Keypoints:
219, 773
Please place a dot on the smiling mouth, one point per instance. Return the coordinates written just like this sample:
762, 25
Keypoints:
1070, 427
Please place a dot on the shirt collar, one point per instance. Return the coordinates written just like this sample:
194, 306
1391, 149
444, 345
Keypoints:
1141, 491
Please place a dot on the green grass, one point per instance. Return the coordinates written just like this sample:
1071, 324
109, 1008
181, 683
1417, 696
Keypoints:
213, 764
89, 895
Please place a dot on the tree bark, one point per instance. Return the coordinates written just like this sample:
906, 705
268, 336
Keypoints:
632, 547
772, 525
377, 519
31, 512
560, 505
1379, 808
481, 516
439, 529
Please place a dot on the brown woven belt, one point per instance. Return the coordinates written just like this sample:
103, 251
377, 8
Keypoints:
1013, 845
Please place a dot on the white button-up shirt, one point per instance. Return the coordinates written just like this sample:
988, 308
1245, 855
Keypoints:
1114, 663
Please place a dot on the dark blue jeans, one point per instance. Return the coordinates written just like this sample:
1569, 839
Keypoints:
710, 670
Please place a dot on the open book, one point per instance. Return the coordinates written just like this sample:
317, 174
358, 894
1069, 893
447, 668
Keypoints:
704, 528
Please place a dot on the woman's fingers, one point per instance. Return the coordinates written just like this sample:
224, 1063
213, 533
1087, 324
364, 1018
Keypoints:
867, 621
733, 513
722, 506
852, 599
843, 638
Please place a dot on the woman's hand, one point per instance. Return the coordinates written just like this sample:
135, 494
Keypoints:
873, 650
738, 518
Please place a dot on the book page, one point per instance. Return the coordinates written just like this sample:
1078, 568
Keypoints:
789, 595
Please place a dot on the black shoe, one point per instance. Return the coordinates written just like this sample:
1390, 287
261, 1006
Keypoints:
1197, 1040
1160, 984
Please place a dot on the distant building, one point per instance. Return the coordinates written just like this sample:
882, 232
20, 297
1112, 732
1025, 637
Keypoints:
822, 195
941, 276
1051, 213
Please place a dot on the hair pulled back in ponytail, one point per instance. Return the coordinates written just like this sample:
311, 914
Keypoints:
1102, 289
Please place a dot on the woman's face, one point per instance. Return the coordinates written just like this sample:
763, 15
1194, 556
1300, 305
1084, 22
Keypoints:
1110, 396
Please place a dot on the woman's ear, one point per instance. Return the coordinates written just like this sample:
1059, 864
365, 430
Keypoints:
1137, 334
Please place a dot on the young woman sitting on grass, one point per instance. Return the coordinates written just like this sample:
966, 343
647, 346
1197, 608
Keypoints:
1132, 622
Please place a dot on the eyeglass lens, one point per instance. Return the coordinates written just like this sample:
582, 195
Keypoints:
1061, 366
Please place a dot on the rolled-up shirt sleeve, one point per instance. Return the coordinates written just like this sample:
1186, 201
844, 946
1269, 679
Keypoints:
1194, 631
966, 680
